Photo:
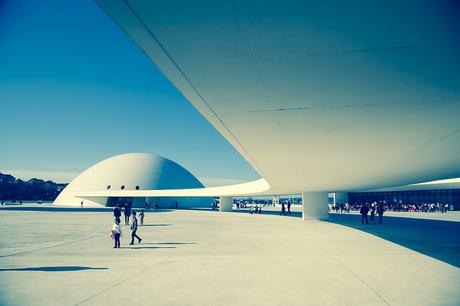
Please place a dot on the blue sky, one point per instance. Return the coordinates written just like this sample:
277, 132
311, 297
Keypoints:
74, 90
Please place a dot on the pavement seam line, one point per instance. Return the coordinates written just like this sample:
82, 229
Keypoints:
51, 246
356, 275
120, 282
361, 279
130, 277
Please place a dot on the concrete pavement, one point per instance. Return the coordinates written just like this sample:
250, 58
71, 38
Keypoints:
211, 258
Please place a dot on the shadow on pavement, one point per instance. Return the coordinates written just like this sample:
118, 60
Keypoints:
53, 269
169, 243
435, 238
138, 247
142, 225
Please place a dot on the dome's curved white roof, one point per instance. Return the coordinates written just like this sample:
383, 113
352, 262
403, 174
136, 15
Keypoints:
129, 172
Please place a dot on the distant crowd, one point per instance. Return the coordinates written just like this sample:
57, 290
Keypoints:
256, 208
397, 207
370, 211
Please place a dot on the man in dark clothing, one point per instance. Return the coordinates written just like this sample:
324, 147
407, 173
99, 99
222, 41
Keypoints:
134, 230
117, 213
380, 211
363, 211
283, 209
289, 207
127, 214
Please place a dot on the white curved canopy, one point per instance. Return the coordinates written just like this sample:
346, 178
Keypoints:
250, 188
317, 96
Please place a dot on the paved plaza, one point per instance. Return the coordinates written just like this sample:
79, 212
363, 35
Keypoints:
211, 258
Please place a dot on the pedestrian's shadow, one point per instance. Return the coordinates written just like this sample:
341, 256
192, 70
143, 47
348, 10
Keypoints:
142, 225
138, 247
52, 269
435, 238
169, 243
156, 245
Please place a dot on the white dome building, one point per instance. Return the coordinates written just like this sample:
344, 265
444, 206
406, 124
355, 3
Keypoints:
131, 172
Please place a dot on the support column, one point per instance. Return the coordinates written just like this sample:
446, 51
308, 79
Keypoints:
340, 197
226, 204
315, 205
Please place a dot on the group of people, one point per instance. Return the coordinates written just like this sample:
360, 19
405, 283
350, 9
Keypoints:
285, 212
20, 202
374, 209
340, 207
397, 207
148, 205
421, 207
116, 231
256, 208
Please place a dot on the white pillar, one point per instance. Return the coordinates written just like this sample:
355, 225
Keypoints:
226, 203
340, 197
315, 205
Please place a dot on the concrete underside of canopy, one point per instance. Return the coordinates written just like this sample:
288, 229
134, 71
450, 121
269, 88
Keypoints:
316, 97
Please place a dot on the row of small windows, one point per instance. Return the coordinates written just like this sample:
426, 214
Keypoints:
122, 187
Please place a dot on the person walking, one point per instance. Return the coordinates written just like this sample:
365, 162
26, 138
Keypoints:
283, 209
134, 230
81, 204
116, 233
289, 207
380, 211
127, 214
141, 216
363, 211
